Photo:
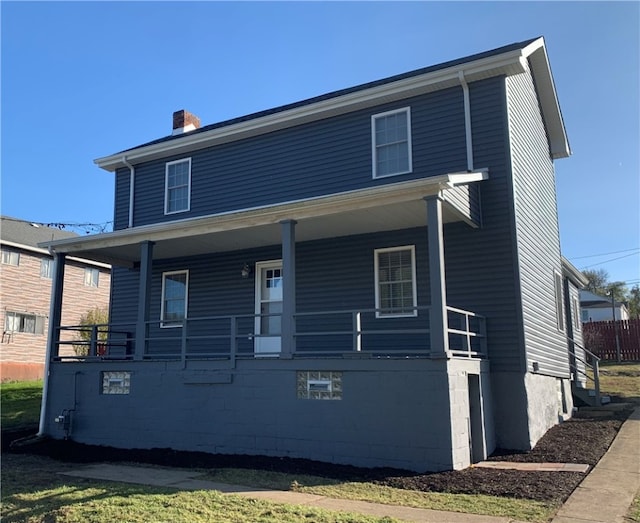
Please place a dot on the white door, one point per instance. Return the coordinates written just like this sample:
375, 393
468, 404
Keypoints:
268, 307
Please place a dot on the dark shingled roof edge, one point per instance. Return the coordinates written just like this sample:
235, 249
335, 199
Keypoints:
342, 92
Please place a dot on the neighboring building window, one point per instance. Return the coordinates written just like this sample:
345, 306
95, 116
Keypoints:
177, 197
46, 268
91, 277
391, 143
22, 322
395, 274
10, 257
559, 301
174, 298
585, 315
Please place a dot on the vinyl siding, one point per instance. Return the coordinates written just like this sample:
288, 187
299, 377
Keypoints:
311, 160
121, 207
336, 274
480, 272
536, 222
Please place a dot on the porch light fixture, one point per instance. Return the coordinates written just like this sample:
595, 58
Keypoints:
246, 271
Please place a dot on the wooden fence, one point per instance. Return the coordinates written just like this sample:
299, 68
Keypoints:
600, 338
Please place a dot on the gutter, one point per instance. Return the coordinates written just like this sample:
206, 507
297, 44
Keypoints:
508, 63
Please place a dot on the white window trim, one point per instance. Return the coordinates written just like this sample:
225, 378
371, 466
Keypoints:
380, 314
9, 255
374, 150
91, 271
166, 187
38, 320
171, 325
576, 312
48, 262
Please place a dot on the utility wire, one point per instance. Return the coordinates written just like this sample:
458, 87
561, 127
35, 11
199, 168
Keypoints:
603, 254
612, 259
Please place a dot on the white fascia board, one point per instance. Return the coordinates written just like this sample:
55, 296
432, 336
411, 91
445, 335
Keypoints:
571, 271
508, 63
46, 252
271, 214
536, 53
465, 178
24, 247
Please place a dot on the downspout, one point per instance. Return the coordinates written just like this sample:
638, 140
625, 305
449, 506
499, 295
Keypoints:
132, 172
50, 338
467, 120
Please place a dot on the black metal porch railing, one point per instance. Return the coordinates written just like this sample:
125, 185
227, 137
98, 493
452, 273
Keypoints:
317, 334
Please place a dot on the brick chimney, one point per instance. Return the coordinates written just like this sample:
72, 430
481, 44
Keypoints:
184, 121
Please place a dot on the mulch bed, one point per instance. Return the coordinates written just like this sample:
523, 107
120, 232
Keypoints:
574, 441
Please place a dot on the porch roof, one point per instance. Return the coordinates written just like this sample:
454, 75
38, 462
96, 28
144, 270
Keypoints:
383, 208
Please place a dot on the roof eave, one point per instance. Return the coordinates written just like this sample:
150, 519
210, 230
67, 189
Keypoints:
536, 53
270, 214
507, 63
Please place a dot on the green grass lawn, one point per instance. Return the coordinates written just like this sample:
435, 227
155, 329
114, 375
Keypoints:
32, 491
519, 509
621, 379
20, 404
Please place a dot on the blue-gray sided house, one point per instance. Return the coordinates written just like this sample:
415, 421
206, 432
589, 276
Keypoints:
372, 277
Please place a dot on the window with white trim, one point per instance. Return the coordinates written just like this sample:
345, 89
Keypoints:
46, 268
575, 312
557, 280
91, 277
174, 298
395, 275
177, 188
391, 143
23, 322
10, 257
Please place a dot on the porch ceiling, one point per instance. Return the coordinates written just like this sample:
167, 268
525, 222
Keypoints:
383, 209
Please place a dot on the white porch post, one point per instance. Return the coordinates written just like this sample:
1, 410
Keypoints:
437, 279
144, 297
53, 331
288, 288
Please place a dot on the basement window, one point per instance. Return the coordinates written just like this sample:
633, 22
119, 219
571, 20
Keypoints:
323, 385
116, 382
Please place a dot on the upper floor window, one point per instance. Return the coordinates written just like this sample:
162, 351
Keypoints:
46, 268
21, 322
174, 298
177, 193
395, 273
10, 257
391, 143
91, 277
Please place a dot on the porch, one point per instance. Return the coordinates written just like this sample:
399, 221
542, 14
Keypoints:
322, 334
303, 321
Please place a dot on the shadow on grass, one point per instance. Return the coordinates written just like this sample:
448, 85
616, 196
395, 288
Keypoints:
32, 489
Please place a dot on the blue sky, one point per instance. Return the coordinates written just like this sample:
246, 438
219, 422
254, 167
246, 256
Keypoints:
82, 80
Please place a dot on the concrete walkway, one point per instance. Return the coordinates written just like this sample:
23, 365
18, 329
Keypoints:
603, 497
607, 492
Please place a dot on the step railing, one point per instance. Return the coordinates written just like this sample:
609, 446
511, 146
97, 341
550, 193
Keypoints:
594, 367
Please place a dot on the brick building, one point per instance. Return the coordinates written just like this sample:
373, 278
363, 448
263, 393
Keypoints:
25, 292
